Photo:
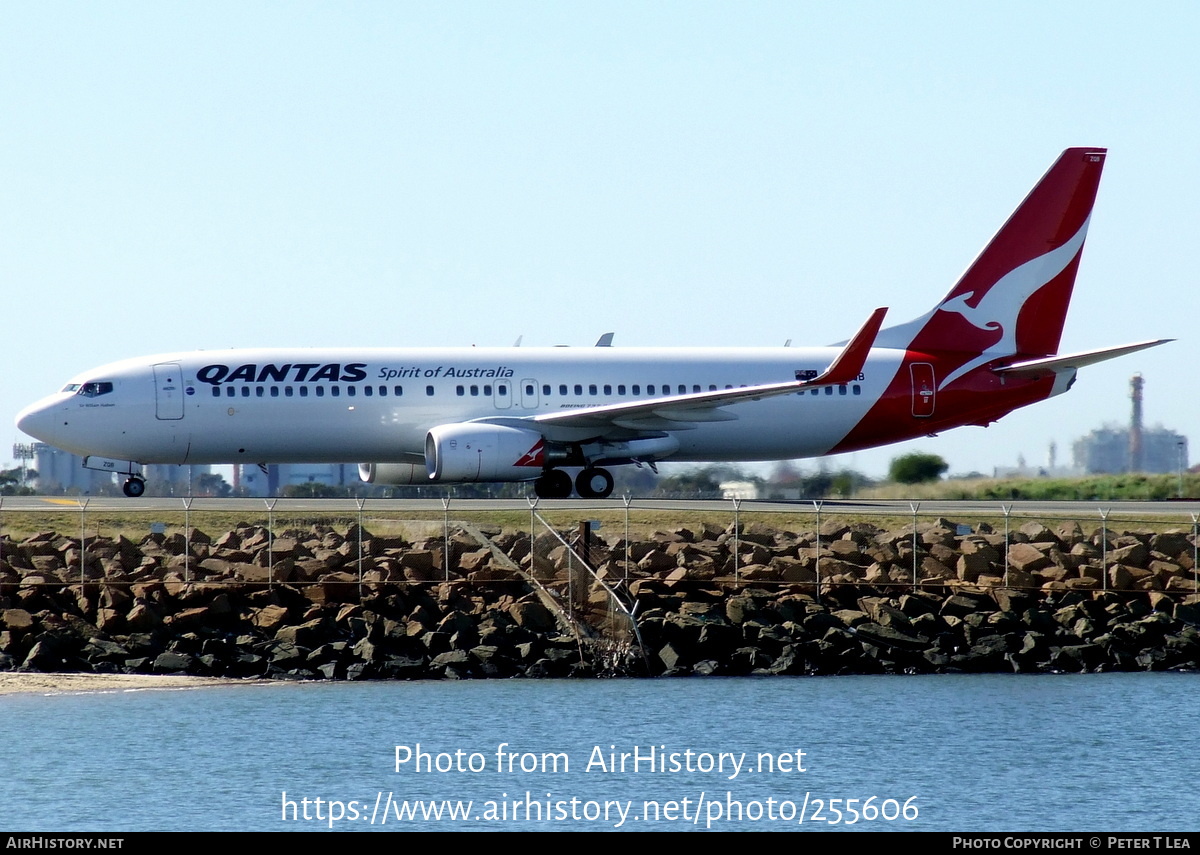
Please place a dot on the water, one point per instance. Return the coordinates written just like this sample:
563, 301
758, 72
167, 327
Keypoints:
962, 753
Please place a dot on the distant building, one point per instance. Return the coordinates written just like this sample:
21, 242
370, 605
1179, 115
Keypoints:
166, 479
1050, 470
1108, 451
280, 475
62, 472
738, 490
1112, 450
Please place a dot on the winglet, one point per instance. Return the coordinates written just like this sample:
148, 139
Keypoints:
849, 363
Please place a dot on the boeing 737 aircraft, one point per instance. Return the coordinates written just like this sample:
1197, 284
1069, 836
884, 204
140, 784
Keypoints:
443, 415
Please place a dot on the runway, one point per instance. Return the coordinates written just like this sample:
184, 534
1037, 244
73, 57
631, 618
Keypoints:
1188, 510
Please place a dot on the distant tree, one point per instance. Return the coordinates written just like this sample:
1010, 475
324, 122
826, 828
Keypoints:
696, 484
846, 482
702, 483
633, 480
314, 490
212, 484
816, 485
15, 482
917, 468
785, 474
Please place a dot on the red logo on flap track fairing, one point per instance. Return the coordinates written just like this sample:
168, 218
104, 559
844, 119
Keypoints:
534, 456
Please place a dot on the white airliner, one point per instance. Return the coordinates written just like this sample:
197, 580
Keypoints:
422, 415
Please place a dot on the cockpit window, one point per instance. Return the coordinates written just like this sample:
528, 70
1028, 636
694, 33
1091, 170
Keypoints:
71, 387
95, 388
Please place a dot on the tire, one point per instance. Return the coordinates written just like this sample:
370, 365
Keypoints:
594, 484
554, 484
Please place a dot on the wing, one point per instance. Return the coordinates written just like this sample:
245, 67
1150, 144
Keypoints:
683, 412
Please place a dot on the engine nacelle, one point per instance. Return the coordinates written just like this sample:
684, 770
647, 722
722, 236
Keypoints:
393, 473
483, 452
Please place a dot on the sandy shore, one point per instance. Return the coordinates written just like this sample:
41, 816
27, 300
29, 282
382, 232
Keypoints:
49, 684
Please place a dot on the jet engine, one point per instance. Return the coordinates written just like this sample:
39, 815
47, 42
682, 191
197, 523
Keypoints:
393, 473
483, 452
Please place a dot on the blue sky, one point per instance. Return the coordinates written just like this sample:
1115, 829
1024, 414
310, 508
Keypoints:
210, 175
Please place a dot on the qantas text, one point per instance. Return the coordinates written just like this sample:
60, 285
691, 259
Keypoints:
289, 372
334, 372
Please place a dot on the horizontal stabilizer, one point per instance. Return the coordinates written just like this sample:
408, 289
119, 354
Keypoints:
1035, 367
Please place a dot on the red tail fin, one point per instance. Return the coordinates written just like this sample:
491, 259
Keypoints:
1013, 298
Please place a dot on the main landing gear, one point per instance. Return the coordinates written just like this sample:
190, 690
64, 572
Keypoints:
554, 484
591, 483
594, 484
134, 487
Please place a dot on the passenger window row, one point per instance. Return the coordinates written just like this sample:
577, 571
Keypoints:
317, 391
854, 389
335, 391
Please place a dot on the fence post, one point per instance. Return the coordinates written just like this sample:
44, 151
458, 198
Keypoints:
737, 578
533, 503
446, 537
187, 538
817, 503
916, 506
270, 503
625, 576
570, 577
360, 502
1007, 511
1104, 549
82, 538
1195, 553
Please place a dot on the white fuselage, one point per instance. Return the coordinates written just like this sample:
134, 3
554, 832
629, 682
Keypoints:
357, 405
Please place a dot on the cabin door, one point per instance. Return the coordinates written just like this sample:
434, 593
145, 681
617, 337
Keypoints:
168, 391
529, 393
502, 395
924, 389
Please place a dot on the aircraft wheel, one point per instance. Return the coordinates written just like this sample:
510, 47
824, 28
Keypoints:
594, 483
134, 487
554, 484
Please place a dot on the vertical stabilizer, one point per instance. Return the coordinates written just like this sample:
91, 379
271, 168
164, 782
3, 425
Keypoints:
1013, 298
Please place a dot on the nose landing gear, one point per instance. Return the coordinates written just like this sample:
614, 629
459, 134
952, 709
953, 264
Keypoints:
134, 487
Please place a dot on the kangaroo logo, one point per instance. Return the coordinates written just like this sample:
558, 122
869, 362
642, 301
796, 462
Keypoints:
997, 309
534, 456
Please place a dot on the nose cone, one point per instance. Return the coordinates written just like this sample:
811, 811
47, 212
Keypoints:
40, 419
